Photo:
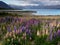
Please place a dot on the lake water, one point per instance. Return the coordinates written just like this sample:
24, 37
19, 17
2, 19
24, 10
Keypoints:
46, 11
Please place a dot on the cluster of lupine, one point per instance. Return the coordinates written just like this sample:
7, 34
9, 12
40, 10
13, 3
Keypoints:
18, 30
25, 27
54, 34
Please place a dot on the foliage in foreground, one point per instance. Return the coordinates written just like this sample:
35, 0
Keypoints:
17, 31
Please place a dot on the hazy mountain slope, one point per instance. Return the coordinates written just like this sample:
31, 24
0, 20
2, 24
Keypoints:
3, 5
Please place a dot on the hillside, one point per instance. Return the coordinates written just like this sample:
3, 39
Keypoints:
3, 5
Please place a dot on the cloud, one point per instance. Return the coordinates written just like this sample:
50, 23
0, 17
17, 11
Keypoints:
29, 4
45, 2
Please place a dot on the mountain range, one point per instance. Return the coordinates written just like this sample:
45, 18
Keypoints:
36, 7
3, 5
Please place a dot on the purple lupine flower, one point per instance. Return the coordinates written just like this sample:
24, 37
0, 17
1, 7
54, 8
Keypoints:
13, 20
51, 35
36, 22
8, 29
58, 32
16, 19
54, 35
31, 21
27, 31
27, 23
22, 28
15, 28
7, 18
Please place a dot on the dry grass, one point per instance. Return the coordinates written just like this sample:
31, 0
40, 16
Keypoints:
0, 43
41, 17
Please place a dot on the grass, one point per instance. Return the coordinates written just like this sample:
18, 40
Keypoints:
0, 42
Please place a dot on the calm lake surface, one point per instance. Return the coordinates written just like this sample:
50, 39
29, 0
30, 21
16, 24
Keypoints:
45, 11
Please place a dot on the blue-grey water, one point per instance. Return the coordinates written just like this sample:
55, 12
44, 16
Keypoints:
46, 11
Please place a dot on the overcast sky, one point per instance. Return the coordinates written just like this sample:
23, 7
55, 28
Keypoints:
32, 2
